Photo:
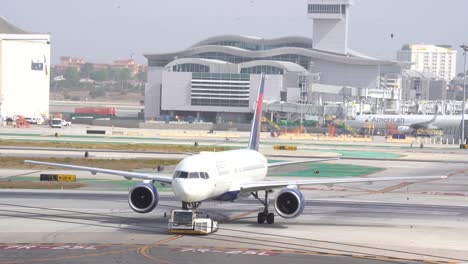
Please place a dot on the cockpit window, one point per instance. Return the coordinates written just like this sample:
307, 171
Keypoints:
191, 175
204, 175
181, 174
194, 175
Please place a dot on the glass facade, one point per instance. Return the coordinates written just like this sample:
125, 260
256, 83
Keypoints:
286, 45
263, 69
238, 44
256, 47
298, 59
220, 89
158, 62
190, 67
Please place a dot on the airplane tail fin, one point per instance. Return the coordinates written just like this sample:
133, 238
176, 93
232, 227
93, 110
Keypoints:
257, 118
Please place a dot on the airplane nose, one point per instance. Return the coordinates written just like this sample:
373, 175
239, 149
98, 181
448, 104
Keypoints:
189, 190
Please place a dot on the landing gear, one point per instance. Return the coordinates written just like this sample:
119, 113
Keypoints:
261, 218
265, 215
192, 206
269, 218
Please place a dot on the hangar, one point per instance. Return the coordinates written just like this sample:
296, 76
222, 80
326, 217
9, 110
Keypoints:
24, 72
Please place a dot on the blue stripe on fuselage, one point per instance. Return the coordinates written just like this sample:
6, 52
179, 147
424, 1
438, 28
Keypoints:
228, 196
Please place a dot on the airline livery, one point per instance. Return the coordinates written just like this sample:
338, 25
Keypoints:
226, 176
407, 123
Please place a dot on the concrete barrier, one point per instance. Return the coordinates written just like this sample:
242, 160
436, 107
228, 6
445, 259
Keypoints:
95, 132
322, 138
118, 133
407, 140
197, 135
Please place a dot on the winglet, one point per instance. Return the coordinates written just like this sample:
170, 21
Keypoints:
257, 119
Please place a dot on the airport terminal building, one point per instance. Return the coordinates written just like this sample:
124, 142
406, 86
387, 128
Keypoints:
217, 78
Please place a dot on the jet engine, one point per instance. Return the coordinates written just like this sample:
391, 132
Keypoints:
143, 198
289, 203
405, 130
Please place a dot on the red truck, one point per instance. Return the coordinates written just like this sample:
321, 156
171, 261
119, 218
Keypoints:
97, 111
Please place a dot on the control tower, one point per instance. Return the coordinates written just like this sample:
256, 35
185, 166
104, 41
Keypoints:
330, 30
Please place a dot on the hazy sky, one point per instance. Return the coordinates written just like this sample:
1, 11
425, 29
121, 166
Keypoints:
103, 30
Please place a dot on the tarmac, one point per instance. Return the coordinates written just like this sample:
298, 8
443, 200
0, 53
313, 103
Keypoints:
385, 222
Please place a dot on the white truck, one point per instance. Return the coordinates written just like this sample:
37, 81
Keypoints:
56, 123
65, 123
59, 123
187, 222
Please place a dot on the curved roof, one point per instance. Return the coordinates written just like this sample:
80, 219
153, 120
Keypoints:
312, 53
255, 40
285, 65
206, 62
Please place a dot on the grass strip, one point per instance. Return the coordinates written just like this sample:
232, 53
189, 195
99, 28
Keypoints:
39, 185
113, 164
113, 146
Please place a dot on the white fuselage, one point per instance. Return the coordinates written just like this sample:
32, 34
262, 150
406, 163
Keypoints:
224, 170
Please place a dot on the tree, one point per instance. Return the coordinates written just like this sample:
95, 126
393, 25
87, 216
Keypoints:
72, 76
142, 76
100, 75
124, 74
86, 69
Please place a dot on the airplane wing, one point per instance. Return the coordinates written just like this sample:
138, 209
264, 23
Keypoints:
279, 164
269, 185
126, 174
425, 124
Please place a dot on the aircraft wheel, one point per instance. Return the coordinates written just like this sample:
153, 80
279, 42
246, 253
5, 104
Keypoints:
261, 218
270, 218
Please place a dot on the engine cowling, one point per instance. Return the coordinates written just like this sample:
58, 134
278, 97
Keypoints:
289, 203
405, 129
143, 198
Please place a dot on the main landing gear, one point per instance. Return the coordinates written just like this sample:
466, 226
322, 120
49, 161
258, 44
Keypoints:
265, 215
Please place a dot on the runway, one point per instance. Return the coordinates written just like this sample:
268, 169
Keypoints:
99, 227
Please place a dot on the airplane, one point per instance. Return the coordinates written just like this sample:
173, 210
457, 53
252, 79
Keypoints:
227, 176
407, 124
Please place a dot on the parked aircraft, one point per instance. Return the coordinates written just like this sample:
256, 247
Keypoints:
406, 124
226, 176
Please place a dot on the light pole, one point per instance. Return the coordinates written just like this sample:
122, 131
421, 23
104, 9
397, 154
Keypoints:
465, 49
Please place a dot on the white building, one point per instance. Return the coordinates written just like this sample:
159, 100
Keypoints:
439, 60
330, 30
24, 72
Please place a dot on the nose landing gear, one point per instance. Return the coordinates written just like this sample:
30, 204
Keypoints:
265, 215
191, 206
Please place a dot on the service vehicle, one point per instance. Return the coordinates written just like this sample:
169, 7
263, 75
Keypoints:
65, 123
56, 123
187, 222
